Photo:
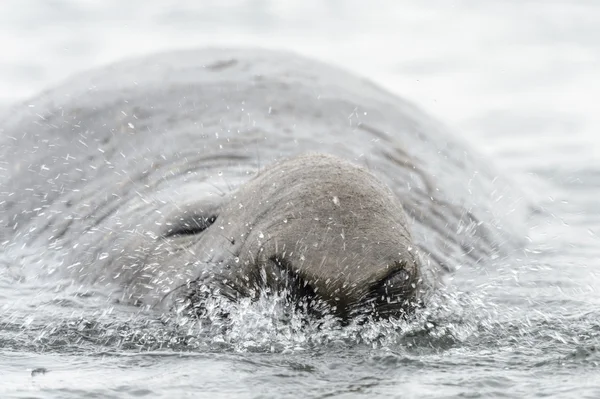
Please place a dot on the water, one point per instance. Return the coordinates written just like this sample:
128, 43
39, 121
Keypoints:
518, 80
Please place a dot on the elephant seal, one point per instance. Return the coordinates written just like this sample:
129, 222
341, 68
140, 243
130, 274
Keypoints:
186, 174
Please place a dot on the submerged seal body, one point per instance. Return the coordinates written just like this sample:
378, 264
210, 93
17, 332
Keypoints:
239, 171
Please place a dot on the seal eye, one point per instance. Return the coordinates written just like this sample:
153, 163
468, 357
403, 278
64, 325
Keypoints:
190, 225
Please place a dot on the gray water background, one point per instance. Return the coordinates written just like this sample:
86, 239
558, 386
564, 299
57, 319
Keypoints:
517, 80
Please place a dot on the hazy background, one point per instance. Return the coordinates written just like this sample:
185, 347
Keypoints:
514, 77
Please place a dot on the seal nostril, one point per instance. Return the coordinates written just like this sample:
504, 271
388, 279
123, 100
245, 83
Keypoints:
298, 289
191, 225
393, 295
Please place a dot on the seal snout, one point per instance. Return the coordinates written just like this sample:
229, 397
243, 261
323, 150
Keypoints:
323, 230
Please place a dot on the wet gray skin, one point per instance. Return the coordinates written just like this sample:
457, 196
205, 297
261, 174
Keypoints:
186, 174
